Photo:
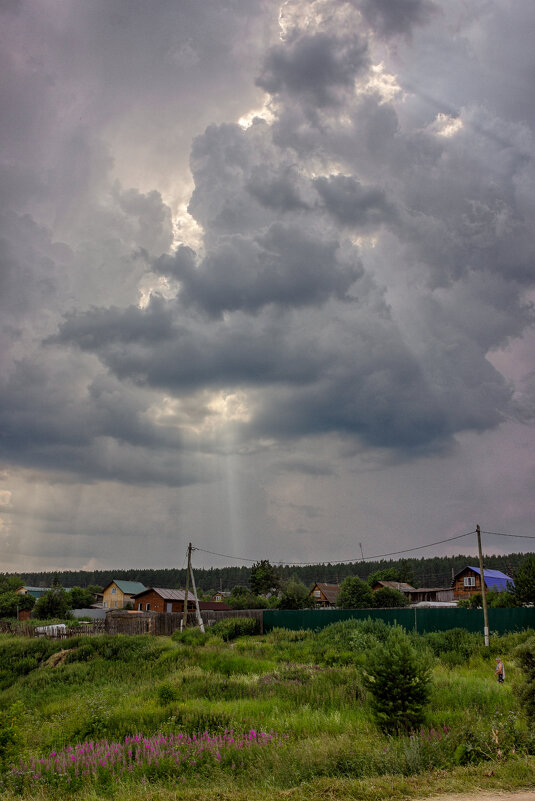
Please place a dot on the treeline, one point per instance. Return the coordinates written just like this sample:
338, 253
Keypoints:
435, 571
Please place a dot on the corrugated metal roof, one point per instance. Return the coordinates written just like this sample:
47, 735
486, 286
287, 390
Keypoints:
129, 587
167, 594
330, 591
401, 586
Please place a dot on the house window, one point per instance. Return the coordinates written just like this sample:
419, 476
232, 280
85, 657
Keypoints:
140, 606
469, 581
317, 593
113, 590
105, 604
115, 604
147, 607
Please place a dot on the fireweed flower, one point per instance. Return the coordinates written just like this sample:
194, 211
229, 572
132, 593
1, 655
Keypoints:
167, 752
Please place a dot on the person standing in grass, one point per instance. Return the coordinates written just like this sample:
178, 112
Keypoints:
500, 670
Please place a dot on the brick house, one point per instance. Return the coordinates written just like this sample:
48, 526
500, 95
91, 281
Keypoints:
163, 599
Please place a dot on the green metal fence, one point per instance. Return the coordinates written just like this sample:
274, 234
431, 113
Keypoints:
421, 620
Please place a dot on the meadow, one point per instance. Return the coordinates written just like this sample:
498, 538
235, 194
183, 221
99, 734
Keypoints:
224, 716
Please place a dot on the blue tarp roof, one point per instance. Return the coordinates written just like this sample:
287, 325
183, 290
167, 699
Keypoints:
494, 579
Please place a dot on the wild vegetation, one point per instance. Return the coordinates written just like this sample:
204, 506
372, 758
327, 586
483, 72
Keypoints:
232, 714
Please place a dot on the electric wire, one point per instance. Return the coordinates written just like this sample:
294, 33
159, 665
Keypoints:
342, 561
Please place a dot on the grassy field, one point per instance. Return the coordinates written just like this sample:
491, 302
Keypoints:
283, 715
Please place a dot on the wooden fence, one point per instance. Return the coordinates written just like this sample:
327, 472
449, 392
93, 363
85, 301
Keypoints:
121, 622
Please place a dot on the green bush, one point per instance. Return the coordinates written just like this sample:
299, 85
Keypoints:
10, 737
191, 636
398, 678
454, 646
525, 656
167, 693
233, 627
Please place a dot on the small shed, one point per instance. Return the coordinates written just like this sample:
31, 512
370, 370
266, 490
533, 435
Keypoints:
400, 586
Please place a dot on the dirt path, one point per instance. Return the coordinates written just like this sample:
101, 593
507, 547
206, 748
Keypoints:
486, 796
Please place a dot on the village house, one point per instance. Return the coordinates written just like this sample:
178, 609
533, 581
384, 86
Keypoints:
220, 596
324, 595
467, 582
163, 599
37, 592
118, 593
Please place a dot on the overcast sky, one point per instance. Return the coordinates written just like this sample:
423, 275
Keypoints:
266, 279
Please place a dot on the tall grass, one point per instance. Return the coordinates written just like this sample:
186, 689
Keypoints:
305, 686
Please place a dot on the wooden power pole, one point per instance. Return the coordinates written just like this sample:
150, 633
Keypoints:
185, 611
195, 596
483, 590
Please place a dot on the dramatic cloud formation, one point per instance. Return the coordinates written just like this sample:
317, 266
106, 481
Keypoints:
319, 323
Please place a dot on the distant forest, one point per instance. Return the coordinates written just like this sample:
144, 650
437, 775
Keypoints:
436, 571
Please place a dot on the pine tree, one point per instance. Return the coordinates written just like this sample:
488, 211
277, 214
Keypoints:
398, 679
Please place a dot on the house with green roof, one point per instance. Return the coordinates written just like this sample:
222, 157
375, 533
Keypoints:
37, 592
118, 593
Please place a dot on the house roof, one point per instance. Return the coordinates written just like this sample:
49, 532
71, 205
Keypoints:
166, 594
128, 587
401, 586
37, 592
494, 579
430, 589
330, 591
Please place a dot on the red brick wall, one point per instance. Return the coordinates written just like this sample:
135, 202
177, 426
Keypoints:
157, 603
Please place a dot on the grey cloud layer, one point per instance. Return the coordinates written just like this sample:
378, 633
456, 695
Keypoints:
357, 265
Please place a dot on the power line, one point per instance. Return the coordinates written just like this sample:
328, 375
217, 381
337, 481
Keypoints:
226, 555
375, 556
341, 561
515, 536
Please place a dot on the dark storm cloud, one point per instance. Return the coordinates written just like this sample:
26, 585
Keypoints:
391, 17
377, 391
277, 190
286, 266
244, 351
384, 342
353, 204
314, 66
97, 432
264, 307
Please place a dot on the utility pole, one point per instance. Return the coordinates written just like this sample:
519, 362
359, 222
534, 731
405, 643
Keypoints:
199, 618
185, 611
361, 551
483, 590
